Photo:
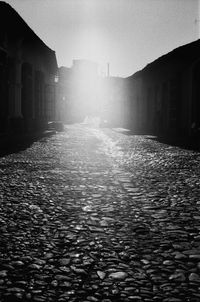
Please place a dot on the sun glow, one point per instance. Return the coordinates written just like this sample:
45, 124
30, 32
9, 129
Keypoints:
93, 45
91, 94
85, 81
83, 93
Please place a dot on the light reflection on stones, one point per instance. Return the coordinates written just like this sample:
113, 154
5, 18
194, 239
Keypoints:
101, 215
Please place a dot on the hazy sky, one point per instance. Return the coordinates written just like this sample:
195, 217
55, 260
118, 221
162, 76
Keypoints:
126, 33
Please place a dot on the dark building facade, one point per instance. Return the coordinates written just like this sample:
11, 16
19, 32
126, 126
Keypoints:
164, 97
114, 101
27, 75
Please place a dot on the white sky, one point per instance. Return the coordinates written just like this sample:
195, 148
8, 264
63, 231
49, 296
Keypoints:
126, 33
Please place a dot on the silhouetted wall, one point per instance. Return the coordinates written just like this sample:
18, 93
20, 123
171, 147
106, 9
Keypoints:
164, 96
27, 73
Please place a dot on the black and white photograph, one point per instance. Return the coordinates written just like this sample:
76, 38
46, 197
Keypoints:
100, 151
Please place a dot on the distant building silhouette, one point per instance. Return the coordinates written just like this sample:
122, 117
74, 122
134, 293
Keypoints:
81, 92
161, 99
75, 90
84, 67
27, 72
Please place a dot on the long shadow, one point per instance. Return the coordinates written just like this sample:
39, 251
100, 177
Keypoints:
188, 143
14, 144
183, 143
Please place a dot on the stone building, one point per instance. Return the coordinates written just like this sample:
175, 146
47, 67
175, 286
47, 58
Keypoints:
164, 97
27, 75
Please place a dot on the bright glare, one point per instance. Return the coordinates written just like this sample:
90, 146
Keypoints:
86, 96
86, 84
92, 121
93, 45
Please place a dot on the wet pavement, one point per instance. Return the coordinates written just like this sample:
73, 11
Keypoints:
98, 215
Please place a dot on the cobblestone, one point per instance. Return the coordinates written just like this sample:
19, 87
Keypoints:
98, 215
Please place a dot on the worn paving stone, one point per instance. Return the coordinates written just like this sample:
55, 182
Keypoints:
97, 215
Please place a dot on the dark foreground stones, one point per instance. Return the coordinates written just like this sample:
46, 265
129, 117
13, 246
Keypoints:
96, 215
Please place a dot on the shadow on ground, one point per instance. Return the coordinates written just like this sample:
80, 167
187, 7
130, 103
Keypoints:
188, 143
13, 144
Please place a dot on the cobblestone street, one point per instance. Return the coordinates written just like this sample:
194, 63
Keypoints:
97, 215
